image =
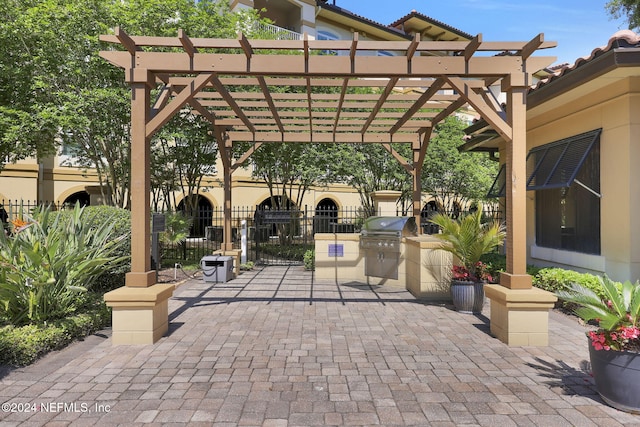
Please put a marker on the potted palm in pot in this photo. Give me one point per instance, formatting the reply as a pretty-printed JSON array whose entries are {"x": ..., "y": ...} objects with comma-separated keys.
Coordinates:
[
  {"x": 614, "y": 347},
  {"x": 468, "y": 238}
]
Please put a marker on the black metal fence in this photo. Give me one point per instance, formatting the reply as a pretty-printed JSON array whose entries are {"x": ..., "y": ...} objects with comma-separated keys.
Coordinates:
[{"x": 273, "y": 236}]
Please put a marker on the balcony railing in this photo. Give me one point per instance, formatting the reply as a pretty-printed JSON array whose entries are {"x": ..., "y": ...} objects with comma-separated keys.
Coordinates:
[{"x": 278, "y": 33}]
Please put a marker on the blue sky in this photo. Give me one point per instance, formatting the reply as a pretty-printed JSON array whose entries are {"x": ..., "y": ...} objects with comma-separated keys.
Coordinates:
[{"x": 579, "y": 26}]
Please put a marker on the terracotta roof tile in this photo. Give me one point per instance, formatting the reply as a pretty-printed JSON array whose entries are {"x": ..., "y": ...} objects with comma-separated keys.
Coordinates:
[{"x": 621, "y": 39}]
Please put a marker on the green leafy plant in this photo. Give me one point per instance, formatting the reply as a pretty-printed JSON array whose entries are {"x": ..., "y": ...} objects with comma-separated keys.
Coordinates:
[
  {"x": 309, "y": 259},
  {"x": 247, "y": 266},
  {"x": 113, "y": 275},
  {"x": 558, "y": 279},
  {"x": 48, "y": 264},
  {"x": 22, "y": 345},
  {"x": 617, "y": 314},
  {"x": 469, "y": 238},
  {"x": 177, "y": 227}
]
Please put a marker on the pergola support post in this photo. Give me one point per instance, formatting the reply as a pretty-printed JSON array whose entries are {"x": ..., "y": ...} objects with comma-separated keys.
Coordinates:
[
  {"x": 225, "y": 144},
  {"x": 417, "y": 186},
  {"x": 140, "y": 308},
  {"x": 519, "y": 312}
]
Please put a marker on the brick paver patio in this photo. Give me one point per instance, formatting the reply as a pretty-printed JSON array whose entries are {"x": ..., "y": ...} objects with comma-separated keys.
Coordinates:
[{"x": 275, "y": 347}]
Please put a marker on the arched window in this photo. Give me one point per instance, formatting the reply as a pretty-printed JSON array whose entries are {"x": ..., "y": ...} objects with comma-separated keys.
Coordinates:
[
  {"x": 429, "y": 210},
  {"x": 202, "y": 216},
  {"x": 81, "y": 197}
]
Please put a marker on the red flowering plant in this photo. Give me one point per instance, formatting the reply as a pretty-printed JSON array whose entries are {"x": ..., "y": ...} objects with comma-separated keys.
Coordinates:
[
  {"x": 460, "y": 272},
  {"x": 617, "y": 315}
]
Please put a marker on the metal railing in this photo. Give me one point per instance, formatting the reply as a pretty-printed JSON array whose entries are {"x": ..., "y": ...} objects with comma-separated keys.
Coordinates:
[
  {"x": 268, "y": 230},
  {"x": 276, "y": 32}
]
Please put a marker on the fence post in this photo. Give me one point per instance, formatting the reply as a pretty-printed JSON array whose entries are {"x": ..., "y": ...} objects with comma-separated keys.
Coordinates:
[{"x": 243, "y": 241}]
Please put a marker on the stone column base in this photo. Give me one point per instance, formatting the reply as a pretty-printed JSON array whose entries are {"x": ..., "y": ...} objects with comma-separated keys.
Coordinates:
[
  {"x": 520, "y": 317},
  {"x": 140, "y": 315}
]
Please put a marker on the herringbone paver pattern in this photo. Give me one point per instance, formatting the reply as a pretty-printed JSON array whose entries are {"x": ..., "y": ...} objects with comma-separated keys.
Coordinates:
[{"x": 276, "y": 348}]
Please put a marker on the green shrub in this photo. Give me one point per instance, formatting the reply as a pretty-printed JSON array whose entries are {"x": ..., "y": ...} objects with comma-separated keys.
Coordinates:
[
  {"x": 113, "y": 276},
  {"x": 294, "y": 252},
  {"x": 247, "y": 266},
  {"x": 20, "y": 346},
  {"x": 310, "y": 260},
  {"x": 559, "y": 279},
  {"x": 177, "y": 227},
  {"x": 48, "y": 264},
  {"x": 497, "y": 263}
]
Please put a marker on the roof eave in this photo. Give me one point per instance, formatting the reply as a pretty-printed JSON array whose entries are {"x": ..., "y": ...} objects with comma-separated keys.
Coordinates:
[
  {"x": 358, "y": 20},
  {"x": 590, "y": 70}
]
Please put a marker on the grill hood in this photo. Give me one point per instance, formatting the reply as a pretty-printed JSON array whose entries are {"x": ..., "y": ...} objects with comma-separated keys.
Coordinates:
[{"x": 396, "y": 226}]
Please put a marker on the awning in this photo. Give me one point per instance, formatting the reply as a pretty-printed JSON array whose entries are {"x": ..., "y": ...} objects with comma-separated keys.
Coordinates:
[
  {"x": 499, "y": 186},
  {"x": 556, "y": 165}
]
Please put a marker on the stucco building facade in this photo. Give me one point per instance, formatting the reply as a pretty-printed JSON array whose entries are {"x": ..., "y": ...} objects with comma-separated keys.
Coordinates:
[{"x": 582, "y": 176}]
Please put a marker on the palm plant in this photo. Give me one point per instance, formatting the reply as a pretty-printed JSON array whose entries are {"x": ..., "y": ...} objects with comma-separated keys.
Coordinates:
[
  {"x": 469, "y": 238},
  {"x": 617, "y": 314}
]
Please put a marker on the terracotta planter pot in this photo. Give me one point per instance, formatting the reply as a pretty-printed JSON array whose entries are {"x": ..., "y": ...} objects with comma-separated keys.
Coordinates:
[
  {"x": 617, "y": 377},
  {"x": 467, "y": 296}
]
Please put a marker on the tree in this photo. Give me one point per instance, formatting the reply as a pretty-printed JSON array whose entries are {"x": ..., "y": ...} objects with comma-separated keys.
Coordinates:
[
  {"x": 369, "y": 168},
  {"x": 187, "y": 151},
  {"x": 451, "y": 177},
  {"x": 99, "y": 137},
  {"x": 55, "y": 87},
  {"x": 627, "y": 9},
  {"x": 45, "y": 47}
]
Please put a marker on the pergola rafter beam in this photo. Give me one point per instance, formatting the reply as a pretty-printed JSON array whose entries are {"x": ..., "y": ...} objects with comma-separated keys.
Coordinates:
[
  {"x": 187, "y": 45},
  {"x": 381, "y": 101},
  {"x": 232, "y": 103},
  {"x": 245, "y": 45},
  {"x": 211, "y": 117},
  {"x": 452, "y": 108},
  {"x": 343, "y": 91},
  {"x": 532, "y": 46},
  {"x": 472, "y": 47},
  {"x": 272, "y": 108},
  {"x": 309, "y": 104},
  {"x": 354, "y": 47},
  {"x": 426, "y": 96},
  {"x": 413, "y": 46},
  {"x": 126, "y": 41}
]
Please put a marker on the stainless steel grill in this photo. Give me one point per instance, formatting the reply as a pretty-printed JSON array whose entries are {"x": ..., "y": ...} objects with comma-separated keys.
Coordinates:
[{"x": 380, "y": 240}]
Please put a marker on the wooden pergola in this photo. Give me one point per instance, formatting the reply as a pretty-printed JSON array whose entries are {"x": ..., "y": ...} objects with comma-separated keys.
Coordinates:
[{"x": 236, "y": 84}]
